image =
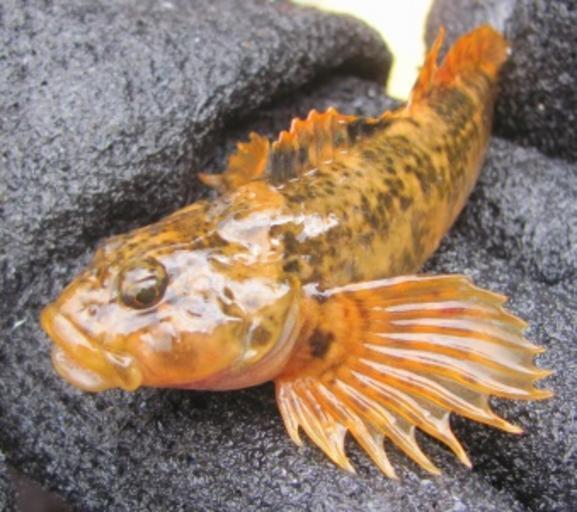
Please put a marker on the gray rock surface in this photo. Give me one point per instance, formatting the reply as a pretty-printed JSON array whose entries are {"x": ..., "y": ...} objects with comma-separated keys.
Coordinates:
[
  {"x": 107, "y": 107},
  {"x": 179, "y": 450},
  {"x": 538, "y": 104},
  {"x": 6, "y": 491}
]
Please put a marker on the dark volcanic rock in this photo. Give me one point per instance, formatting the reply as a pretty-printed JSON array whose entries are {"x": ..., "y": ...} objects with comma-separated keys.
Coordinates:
[
  {"x": 530, "y": 220},
  {"x": 179, "y": 450},
  {"x": 106, "y": 108},
  {"x": 6, "y": 491},
  {"x": 538, "y": 103},
  {"x": 460, "y": 16}
]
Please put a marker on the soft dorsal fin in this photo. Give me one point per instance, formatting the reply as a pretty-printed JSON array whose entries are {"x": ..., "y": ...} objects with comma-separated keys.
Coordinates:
[
  {"x": 481, "y": 50},
  {"x": 309, "y": 143}
]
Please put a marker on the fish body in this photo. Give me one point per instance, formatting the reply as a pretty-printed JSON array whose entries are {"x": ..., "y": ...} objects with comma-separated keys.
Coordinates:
[{"x": 302, "y": 271}]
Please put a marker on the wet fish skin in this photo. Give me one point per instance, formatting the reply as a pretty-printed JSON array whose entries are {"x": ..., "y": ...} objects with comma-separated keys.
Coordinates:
[{"x": 302, "y": 271}]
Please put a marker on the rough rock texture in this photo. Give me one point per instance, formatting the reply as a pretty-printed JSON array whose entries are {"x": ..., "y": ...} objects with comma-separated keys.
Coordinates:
[
  {"x": 179, "y": 450},
  {"x": 6, "y": 491},
  {"x": 106, "y": 107},
  {"x": 538, "y": 104}
]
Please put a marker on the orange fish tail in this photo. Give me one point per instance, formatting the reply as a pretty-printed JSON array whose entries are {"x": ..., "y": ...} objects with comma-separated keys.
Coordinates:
[{"x": 484, "y": 50}]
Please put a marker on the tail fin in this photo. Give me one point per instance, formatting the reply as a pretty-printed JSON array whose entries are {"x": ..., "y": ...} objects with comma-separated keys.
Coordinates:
[{"x": 483, "y": 49}]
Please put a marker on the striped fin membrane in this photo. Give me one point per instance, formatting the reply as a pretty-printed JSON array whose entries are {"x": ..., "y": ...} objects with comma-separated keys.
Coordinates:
[
  {"x": 403, "y": 354},
  {"x": 309, "y": 143}
]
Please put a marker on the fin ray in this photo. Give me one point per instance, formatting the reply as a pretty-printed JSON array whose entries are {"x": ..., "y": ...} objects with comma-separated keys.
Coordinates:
[
  {"x": 386, "y": 421},
  {"x": 405, "y": 354},
  {"x": 482, "y": 50},
  {"x": 426, "y": 415},
  {"x": 370, "y": 440},
  {"x": 315, "y": 141},
  {"x": 321, "y": 427}
]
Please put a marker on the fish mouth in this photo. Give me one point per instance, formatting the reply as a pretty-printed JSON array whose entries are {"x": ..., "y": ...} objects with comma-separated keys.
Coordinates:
[{"x": 83, "y": 364}]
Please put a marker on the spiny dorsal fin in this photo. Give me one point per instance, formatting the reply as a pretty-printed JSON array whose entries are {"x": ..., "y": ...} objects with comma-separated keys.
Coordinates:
[
  {"x": 309, "y": 143},
  {"x": 318, "y": 139},
  {"x": 247, "y": 163}
]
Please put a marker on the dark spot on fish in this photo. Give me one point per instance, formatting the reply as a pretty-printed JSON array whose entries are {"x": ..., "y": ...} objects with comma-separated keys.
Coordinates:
[
  {"x": 297, "y": 198},
  {"x": 320, "y": 343},
  {"x": 405, "y": 202},
  {"x": 315, "y": 258},
  {"x": 361, "y": 128},
  {"x": 408, "y": 261},
  {"x": 260, "y": 336},
  {"x": 419, "y": 233},
  {"x": 385, "y": 199},
  {"x": 283, "y": 165},
  {"x": 292, "y": 266},
  {"x": 339, "y": 139},
  {"x": 367, "y": 238},
  {"x": 290, "y": 242},
  {"x": 370, "y": 156}
]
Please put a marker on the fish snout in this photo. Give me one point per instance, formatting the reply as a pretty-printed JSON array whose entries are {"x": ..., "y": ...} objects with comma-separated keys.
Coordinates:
[{"x": 81, "y": 362}]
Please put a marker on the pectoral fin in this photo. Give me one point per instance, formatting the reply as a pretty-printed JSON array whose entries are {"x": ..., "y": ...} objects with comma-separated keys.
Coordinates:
[{"x": 382, "y": 358}]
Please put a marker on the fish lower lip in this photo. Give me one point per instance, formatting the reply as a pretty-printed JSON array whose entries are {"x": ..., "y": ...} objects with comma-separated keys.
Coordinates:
[
  {"x": 78, "y": 361},
  {"x": 77, "y": 375}
]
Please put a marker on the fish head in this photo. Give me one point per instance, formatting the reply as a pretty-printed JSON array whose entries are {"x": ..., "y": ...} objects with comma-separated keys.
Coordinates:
[{"x": 152, "y": 311}]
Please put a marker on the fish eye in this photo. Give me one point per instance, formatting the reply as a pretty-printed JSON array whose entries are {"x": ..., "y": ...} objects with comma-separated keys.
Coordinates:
[{"x": 142, "y": 283}]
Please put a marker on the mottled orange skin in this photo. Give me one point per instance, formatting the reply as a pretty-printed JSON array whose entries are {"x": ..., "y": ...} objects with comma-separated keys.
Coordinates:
[
  {"x": 378, "y": 208},
  {"x": 275, "y": 278}
]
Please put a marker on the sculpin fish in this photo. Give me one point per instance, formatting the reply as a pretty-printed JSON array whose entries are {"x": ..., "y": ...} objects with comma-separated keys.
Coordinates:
[{"x": 304, "y": 271}]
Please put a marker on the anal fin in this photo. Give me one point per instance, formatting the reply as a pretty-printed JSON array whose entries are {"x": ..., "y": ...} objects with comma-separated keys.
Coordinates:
[{"x": 382, "y": 358}]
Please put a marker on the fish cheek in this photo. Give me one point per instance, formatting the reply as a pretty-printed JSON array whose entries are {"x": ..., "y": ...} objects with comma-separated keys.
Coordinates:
[{"x": 169, "y": 357}]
